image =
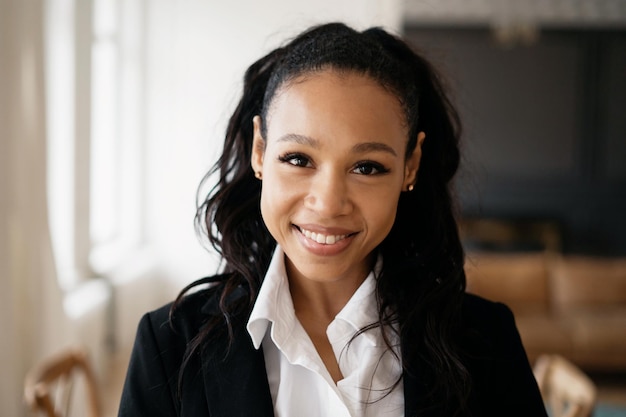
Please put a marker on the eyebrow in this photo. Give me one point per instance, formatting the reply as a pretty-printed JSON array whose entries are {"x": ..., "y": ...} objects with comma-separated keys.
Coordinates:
[
  {"x": 358, "y": 148},
  {"x": 299, "y": 139},
  {"x": 374, "y": 147}
]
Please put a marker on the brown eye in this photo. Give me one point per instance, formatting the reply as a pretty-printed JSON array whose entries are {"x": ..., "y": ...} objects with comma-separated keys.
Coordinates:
[
  {"x": 369, "y": 168},
  {"x": 295, "y": 159}
]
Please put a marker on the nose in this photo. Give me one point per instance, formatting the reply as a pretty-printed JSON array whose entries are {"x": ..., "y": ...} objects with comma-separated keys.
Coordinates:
[{"x": 328, "y": 195}]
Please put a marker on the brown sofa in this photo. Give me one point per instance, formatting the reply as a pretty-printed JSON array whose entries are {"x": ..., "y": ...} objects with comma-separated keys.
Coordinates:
[{"x": 568, "y": 305}]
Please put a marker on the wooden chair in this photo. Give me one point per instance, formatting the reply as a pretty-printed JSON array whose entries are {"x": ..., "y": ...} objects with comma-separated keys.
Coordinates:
[
  {"x": 566, "y": 390},
  {"x": 50, "y": 386}
]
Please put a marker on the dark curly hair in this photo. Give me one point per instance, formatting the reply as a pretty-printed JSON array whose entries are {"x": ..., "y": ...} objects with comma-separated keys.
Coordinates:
[{"x": 420, "y": 287}]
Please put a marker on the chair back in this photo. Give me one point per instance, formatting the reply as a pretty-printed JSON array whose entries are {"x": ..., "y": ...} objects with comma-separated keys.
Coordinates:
[
  {"x": 566, "y": 390},
  {"x": 51, "y": 385}
]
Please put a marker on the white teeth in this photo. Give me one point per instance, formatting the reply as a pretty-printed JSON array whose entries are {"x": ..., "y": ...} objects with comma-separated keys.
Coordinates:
[{"x": 322, "y": 239}]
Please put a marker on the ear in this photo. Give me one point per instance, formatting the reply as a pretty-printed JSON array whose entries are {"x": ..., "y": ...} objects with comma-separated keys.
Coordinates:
[
  {"x": 413, "y": 163},
  {"x": 258, "y": 146}
]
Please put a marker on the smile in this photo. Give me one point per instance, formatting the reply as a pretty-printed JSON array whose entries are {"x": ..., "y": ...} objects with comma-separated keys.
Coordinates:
[{"x": 322, "y": 238}]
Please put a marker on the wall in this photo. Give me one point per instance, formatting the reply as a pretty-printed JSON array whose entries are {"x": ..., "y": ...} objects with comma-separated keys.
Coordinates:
[
  {"x": 545, "y": 128},
  {"x": 33, "y": 323}
]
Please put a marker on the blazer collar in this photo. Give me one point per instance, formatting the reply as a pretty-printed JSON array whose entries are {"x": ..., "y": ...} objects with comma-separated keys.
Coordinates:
[
  {"x": 236, "y": 384},
  {"x": 415, "y": 390}
]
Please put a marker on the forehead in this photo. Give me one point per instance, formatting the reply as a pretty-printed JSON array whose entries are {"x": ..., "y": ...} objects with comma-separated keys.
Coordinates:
[{"x": 332, "y": 102}]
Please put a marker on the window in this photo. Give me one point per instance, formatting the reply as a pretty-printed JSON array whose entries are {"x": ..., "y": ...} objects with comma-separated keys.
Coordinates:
[{"x": 95, "y": 114}]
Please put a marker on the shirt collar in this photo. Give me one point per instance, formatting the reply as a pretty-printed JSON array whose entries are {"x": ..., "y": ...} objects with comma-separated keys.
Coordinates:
[
  {"x": 273, "y": 303},
  {"x": 362, "y": 308}
]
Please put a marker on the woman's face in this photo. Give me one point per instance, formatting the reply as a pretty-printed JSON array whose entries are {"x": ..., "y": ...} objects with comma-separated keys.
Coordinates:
[{"x": 333, "y": 166}]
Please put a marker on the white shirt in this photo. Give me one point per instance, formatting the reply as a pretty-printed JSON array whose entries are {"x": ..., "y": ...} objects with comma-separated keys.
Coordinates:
[{"x": 299, "y": 382}]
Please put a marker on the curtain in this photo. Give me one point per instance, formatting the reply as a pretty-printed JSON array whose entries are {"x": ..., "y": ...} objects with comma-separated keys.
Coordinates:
[{"x": 32, "y": 322}]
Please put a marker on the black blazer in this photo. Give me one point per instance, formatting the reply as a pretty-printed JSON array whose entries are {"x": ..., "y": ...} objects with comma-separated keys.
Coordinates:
[{"x": 236, "y": 385}]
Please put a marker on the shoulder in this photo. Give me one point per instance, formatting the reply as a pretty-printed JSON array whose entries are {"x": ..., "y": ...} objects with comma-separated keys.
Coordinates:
[
  {"x": 480, "y": 311},
  {"x": 163, "y": 335},
  {"x": 488, "y": 337},
  {"x": 487, "y": 325},
  {"x": 184, "y": 318},
  {"x": 495, "y": 357}
]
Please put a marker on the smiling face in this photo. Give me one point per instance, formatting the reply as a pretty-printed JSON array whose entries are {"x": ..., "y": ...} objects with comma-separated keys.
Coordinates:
[{"x": 333, "y": 166}]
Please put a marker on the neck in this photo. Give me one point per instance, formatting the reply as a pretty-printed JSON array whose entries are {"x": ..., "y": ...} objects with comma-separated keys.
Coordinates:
[{"x": 322, "y": 299}]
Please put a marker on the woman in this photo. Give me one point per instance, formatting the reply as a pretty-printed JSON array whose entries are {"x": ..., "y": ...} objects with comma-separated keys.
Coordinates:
[{"x": 342, "y": 292}]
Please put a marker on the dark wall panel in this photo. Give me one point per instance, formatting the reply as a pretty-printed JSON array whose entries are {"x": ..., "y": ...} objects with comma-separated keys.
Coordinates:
[
  {"x": 545, "y": 128},
  {"x": 615, "y": 105}
]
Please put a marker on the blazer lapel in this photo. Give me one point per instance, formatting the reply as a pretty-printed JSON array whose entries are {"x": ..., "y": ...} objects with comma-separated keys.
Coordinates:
[
  {"x": 237, "y": 384},
  {"x": 416, "y": 385}
]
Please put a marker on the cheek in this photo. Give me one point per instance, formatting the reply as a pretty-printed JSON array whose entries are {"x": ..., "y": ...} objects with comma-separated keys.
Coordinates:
[
  {"x": 380, "y": 211},
  {"x": 268, "y": 202},
  {"x": 277, "y": 201},
  {"x": 277, "y": 188},
  {"x": 268, "y": 211}
]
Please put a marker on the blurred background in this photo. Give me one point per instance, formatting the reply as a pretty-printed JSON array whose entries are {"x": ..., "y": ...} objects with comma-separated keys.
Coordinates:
[{"x": 112, "y": 111}]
